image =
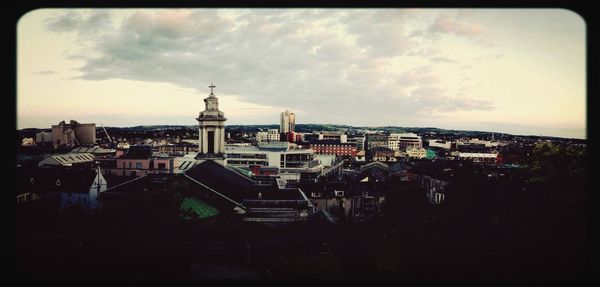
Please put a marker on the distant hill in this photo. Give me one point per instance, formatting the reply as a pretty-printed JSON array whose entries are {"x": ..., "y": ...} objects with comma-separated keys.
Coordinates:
[{"x": 305, "y": 128}]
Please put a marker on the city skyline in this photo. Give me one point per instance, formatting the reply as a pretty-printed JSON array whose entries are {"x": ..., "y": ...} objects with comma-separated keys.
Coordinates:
[{"x": 518, "y": 71}]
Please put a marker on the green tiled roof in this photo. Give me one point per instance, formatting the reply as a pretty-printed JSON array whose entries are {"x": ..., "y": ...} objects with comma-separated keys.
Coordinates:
[{"x": 193, "y": 208}]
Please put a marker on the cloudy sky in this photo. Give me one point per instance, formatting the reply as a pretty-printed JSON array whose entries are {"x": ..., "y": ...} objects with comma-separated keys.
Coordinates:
[{"x": 520, "y": 71}]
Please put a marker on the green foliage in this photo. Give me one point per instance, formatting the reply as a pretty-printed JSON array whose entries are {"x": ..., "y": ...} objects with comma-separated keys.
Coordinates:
[{"x": 557, "y": 169}]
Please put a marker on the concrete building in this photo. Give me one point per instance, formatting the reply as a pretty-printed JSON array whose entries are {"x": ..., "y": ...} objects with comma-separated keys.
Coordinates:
[
  {"x": 273, "y": 135},
  {"x": 211, "y": 130},
  {"x": 358, "y": 141},
  {"x": 288, "y": 122},
  {"x": 440, "y": 144},
  {"x": 336, "y": 136},
  {"x": 394, "y": 141},
  {"x": 406, "y": 140},
  {"x": 282, "y": 155},
  {"x": 376, "y": 141},
  {"x": 43, "y": 137},
  {"x": 73, "y": 133}
]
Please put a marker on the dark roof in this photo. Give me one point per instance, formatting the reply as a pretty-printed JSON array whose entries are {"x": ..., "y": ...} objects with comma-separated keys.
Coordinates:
[
  {"x": 432, "y": 170},
  {"x": 399, "y": 166},
  {"x": 331, "y": 142},
  {"x": 76, "y": 180},
  {"x": 224, "y": 180},
  {"x": 138, "y": 152}
]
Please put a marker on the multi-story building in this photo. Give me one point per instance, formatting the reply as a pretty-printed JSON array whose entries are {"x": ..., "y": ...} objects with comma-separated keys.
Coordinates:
[
  {"x": 382, "y": 154},
  {"x": 376, "y": 140},
  {"x": 394, "y": 141},
  {"x": 333, "y": 147},
  {"x": 358, "y": 141},
  {"x": 288, "y": 122},
  {"x": 73, "y": 133},
  {"x": 273, "y": 135},
  {"x": 281, "y": 155},
  {"x": 416, "y": 152},
  {"x": 406, "y": 140},
  {"x": 178, "y": 148},
  {"x": 440, "y": 143},
  {"x": 293, "y": 137},
  {"x": 336, "y": 136},
  {"x": 139, "y": 161}
]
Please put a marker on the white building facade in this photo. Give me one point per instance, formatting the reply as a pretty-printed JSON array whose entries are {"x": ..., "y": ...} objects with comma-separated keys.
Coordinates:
[{"x": 288, "y": 122}]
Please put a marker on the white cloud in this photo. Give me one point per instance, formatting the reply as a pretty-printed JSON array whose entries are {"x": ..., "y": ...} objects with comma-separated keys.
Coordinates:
[{"x": 334, "y": 64}]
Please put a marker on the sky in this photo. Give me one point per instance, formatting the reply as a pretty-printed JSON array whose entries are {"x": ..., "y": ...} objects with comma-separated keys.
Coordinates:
[{"x": 518, "y": 71}]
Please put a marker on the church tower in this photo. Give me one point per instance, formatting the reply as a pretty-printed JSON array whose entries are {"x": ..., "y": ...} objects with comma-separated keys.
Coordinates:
[{"x": 211, "y": 127}]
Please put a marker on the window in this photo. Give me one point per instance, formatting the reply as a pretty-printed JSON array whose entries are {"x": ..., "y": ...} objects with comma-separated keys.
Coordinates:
[
  {"x": 138, "y": 165},
  {"x": 123, "y": 164},
  {"x": 129, "y": 164},
  {"x": 211, "y": 142},
  {"x": 162, "y": 166}
]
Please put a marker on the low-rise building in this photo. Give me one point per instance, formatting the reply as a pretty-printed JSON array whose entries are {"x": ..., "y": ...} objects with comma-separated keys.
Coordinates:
[
  {"x": 382, "y": 154},
  {"x": 478, "y": 157},
  {"x": 333, "y": 147},
  {"x": 139, "y": 160},
  {"x": 416, "y": 152},
  {"x": 440, "y": 144}
]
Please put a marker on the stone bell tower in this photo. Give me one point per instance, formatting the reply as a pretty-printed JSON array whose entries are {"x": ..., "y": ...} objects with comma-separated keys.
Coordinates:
[{"x": 211, "y": 128}]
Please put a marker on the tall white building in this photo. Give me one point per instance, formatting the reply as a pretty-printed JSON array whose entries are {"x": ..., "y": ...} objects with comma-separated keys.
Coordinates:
[
  {"x": 211, "y": 128},
  {"x": 288, "y": 122}
]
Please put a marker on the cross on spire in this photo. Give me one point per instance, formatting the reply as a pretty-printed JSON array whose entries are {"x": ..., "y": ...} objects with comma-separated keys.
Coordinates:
[{"x": 212, "y": 86}]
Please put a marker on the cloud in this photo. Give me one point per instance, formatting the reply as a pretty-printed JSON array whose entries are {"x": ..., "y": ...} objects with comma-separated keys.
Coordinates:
[
  {"x": 45, "y": 72},
  {"x": 446, "y": 25},
  {"x": 318, "y": 61},
  {"x": 440, "y": 59},
  {"x": 87, "y": 26}
]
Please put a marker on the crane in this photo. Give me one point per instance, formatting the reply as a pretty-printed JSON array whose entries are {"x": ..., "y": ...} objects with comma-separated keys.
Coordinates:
[{"x": 110, "y": 141}]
